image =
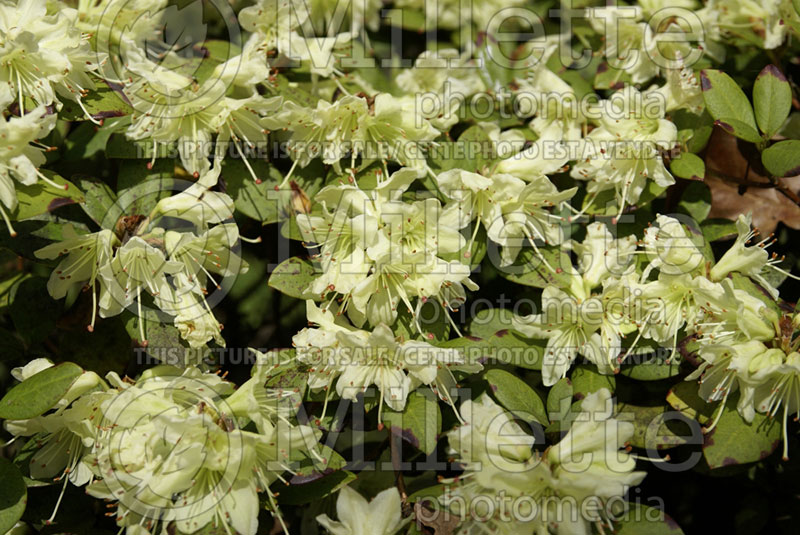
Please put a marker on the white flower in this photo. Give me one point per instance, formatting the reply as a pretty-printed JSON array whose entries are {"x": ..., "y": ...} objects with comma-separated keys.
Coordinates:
[
  {"x": 575, "y": 321},
  {"x": 381, "y": 253},
  {"x": 756, "y": 21},
  {"x": 601, "y": 256},
  {"x": 512, "y": 201},
  {"x": 357, "y": 359},
  {"x": 169, "y": 449},
  {"x": 748, "y": 260},
  {"x": 19, "y": 160},
  {"x": 86, "y": 257},
  {"x": 588, "y": 461},
  {"x": 499, "y": 466},
  {"x": 112, "y": 20},
  {"x": 629, "y": 42},
  {"x": 623, "y": 153},
  {"x": 489, "y": 435},
  {"x": 381, "y": 516},
  {"x": 383, "y": 127},
  {"x": 728, "y": 368},
  {"x": 670, "y": 249},
  {"x": 782, "y": 388},
  {"x": 171, "y": 107},
  {"x": 64, "y": 434},
  {"x": 43, "y": 53}
]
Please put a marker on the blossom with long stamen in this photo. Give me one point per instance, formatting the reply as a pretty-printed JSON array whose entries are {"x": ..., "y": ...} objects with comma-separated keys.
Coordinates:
[
  {"x": 85, "y": 257},
  {"x": 623, "y": 154},
  {"x": 587, "y": 462},
  {"x": 20, "y": 158},
  {"x": 43, "y": 53},
  {"x": 750, "y": 260},
  {"x": 355, "y": 359}
]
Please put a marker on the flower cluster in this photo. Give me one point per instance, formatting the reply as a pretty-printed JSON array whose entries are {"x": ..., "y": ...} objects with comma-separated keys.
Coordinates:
[
  {"x": 44, "y": 54},
  {"x": 380, "y": 252},
  {"x": 356, "y": 359},
  {"x": 499, "y": 463},
  {"x": 170, "y": 255},
  {"x": 171, "y": 449}
]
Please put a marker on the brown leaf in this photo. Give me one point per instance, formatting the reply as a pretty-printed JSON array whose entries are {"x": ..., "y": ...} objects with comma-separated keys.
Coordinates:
[
  {"x": 738, "y": 189},
  {"x": 439, "y": 522}
]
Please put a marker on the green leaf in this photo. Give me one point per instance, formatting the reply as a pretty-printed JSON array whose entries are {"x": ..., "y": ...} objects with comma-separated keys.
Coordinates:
[
  {"x": 688, "y": 166},
  {"x": 608, "y": 77},
  {"x": 13, "y": 495},
  {"x": 432, "y": 320},
  {"x": 263, "y": 202},
  {"x": 605, "y": 203},
  {"x": 41, "y": 197},
  {"x": 559, "y": 399},
  {"x": 488, "y": 321},
  {"x": 653, "y": 367},
  {"x": 139, "y": 189},
  {"x": 725, "y": 99},
  {"x": 101, "y": 103},
  {"x": 530, "y": 270},
  {"x": 694, "y": 130},
  {"x": 293, "y": 277},
  {"x": 39, "y": 393},
  {"x": 516, "y": 396},
  {"x": 310, "y": 489},
  {"x": 292, "y": 91},
  {"x": 718, "y": 229},
  {"x": 419, "y": 423},
  {"x": 772, "y": 100},
  {"x": 101, "y": 202},
  {"x": 782, "y": 158},
  {"x": 641, "y": 519},
  {"x": 653, "y": 430},
  {"x": 734, "y": 441},
  {"x": 160, "y": 336},
  {"x": 743, "y": 282},
  {"x": 739, "y": 129},
  {"x": 586, "y": 379},
  {"x": 507, "y": 347},
  {"x": 473, "y": 151},
  {"x": 696, "y": 201}
]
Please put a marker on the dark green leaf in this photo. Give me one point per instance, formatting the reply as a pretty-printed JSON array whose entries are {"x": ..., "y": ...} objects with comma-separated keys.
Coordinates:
[
  {"x": 293, "y": 277},
  {"x": 101, "y": 103},
  {"x": 734, "y": 441},
  {"x": 13, "y": 495},
  {"x": 530, "y": 270},
  {"x": 641, "y": 519},
  {"x": 516, "y": 396},
  {"x": 309, "y": 489},
  {"x": 419, "y": 423},
  {"x": 772, "y": 100},
  {"x": 782, "y": 158},
  {"x": 101, "y": 201},
  {"x": 41, "y": 197},
  {"x": 718, "y": 229},
  {"x": 688, "y": 166},
  {"x": 725, "y": 99},
  {"x": 586, "y": 379},
  {"x": 739, "y": 129},
  {"x": 39, "y": 393},
  {"x": 696, "y": 200}
]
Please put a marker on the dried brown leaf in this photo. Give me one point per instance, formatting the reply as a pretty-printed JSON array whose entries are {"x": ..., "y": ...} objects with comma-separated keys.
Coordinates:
[{"x": 738, "y": 188}]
